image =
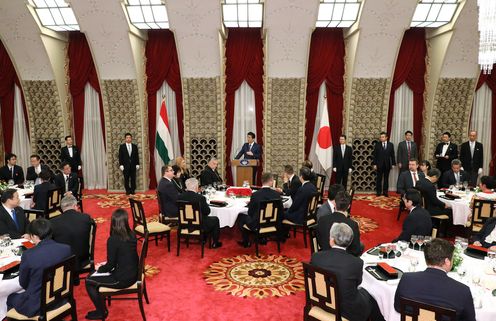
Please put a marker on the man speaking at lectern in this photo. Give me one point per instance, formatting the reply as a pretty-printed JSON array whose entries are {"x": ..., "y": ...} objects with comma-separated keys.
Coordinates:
[{"x": 250, "y": 149}]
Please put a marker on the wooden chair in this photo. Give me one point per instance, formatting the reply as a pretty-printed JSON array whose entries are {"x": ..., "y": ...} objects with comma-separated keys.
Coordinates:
[
  {"x": 90, "y": 267},
  {"x": 441, "y": 219},
  {"x": 481, "y": 212},
  {"x": 352, "y": 194},
  {"x": 411, "y": 310},
  {"x": 314, "y": 242},
  {"x": 56, "y": 300},
  {"x": 322, "y": 295},
  {"x": 268, "y": 216},
  {"x": 310, "y": 218},
  {"x": 51, "y": 209},
  {"x": 138, "y": 288},
  {"x": 141, "y": 227},
  {"x": 320, "y": 183},
  {"x": 190, "y": 224},
  {"x": 162, "y": 217}
]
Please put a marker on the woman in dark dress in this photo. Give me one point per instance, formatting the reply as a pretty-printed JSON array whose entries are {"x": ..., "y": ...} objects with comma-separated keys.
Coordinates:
[
  {"x": 185, "y": 173},
  {"x": 122, "y": 263},
  {"x": 178, "y": 179}
]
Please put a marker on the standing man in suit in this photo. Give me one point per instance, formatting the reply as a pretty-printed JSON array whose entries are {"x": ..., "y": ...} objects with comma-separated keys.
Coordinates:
[
  {"x": 67, "y": 180},
  {"x": 250, "y": 149},
  {"x": 298, "y": 209},
  {"x": 40, "y": 194},
  {"x": 210, "y": 223},
  {"x": 291, "y": 182},
  {"x": 129, "y": 163},
  {"x": 434, "y": 286},
  {"x": 342, "y": 161},
  {"x": 407, "y": 150},
  {"x": 356, "y": 303},
  {"x": 210, "y": 176},
  {"x": 11, "y": 171},
  {"x": 418, "y": 221},
  {"x": 408, "y": 179},
  {"x": 266, "y": 193},
  {"x": 168, "y": 192},
  {"x": 446, "y": 151},
  {"x": 428, "y": 191},
  {"x": 35, "y": 169},
  {"x": 454, "y": 176},
  {"x": 12, "y": 218},
  {"x": 70, "y": 154},
  {"x": 34, "y": 261},
  {"x": 383, "y": 161},
  {"x": 472, "y": 157}
]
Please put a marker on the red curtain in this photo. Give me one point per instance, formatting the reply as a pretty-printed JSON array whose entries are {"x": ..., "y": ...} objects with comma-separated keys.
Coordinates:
[
  {"x": 326, "y": 63},
  {"x": 244, "y": 62},
  {"x": 410, "y": 68},
  {"x": 8, "y": 80},
  {"x": 81, "y": 71},
  {"x": 162, "y": 64},
  {"x": 490, "y": 81}
]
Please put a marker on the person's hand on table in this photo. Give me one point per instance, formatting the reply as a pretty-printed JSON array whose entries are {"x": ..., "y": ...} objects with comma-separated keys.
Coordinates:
[
  {"x": 249, "y": 153},
  {"x": 477, "y": 243},
  {"x": 447, "y": 157},
  {"x": 492, "y": 248}
]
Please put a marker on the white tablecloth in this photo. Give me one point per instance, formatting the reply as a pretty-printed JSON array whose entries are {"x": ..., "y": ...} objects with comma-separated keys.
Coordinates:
[
  {"x": 461, "y": 207},
  {"x": 383, "y": 292},
  {"x": 25, "y": 202},
  {"x": 8, "y": 286}
]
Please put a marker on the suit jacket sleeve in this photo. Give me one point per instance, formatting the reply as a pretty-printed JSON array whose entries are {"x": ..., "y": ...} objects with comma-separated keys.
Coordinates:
[
  {"x": 77, "y": 155},
  {"x": 375, "y": 154},
  {"x": 401, "y": 185},
  {"x": 355, "y": 247},
  {"x": 433, "y": 198},
  {"x": 31, "y": 174},
  {"x": 257, "y": 152},
  {"x": 24, "y": 271},
  {"x": 135, "y": 154},
  {"x": 414, "y": 151},
  {"x": 349, "y": 157},
  {"x": 393, "y": 160},
  {"x": 407, "y": 231},
  {"x": 204, "y": 206},
  {"x": 74, "y": 184},
  {"x": 121, "y": 156},
  {"x": 485, "y": 230},
  {"x": 454, "y": 152},
  {"x": 444, "y": 181},
  {"x": 401, "y": 152},
  {"x": 112, "y": 252},
  {"x": 468, "y": 307},
  {"x": 464, "y": 155},
  {"x": 241, "y": 152}
]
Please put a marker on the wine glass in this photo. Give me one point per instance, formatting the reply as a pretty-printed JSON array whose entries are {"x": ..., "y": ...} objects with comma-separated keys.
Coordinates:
[
  {"x": 402, "y": 245},
  {"x": 461, "y": 271},
  {"x": 413, "y": 264},
  {"x": 476, "y": 279},
  {"x": 389, "y": 249},
  {"x": 413, "y": 240},
  {"x": 420, "y": 241},
  {"x": 427, "y": 238},
  {"x": 465, "y": 185}
]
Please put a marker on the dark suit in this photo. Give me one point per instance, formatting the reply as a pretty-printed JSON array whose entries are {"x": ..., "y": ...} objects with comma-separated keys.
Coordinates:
[
  {"x": 323, "y": 228},
  {"x": 73, "y": 228},
  {"x": 383, "y": 158},
  {"x": 342, "y": 163},
  {"x": 40, "y": 195},
  {"x": 72, "y": 184},
  {"x": 296, "y": 213},
  {"x": 209, "y": 177},
  {"x": 256, "y": 149},
  {"x": 8, "y": 226},
  {"x": 33, "y": 262},
  {"x": 472, "y": 164},
  {"x": 324, "y": 209},
  {"x": 17, "y": 176},
  {"x": 168, "y": 197},
  {"x": 435, "y": 287},
  {"x": 210, "y": 223},
  {"x": 74, "y": 161},
  {"x": 31, "y": 174},
  {"x": 404, "y": 156},
  {"x": 129, "y": 163},
  {"x": 418, "y": 222},
  {"x": 485, "y": 231},
  {"x": 252, "y": 219},
  {"x": 405, "y": 181},
  {"x": 444, "y": 164},
  {"x": 431, "y": 203},
  {"x": 448, "y": 178},
  {"x": 291, "y": 187},
  {"x": 356, "y": 304}
]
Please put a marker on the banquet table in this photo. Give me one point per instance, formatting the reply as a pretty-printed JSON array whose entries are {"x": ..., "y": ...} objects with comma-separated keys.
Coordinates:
[
  {"x": 383, "y": 291},
  {"x": 461, "y": 207},
  {"x": 11, "y": 285}
]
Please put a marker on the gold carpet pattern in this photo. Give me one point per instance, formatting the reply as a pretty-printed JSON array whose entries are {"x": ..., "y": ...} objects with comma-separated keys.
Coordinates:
[
  {"x": 258, "y": 277},
  {"x": 387, "y": 203},
  {"x": 365, "y": 224},
  {"x": 118, "y": 200}
]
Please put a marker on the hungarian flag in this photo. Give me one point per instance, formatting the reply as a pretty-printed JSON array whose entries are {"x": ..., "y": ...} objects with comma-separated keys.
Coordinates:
[
  {"x": 323, "y": 147},
  {"x": 163, "y": 141}
]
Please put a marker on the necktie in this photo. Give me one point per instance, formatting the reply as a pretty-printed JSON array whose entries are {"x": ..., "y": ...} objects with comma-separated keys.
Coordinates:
[
  {"x": 12, "y": 172},
  {"x": 415, "y": 179},
  {"x": 384, "y": 145},
  {"x": 66, "y": 183},
  {"x": 14, "y": 217},
  {"x": 409, "y": 149},
  {"x": 457, "y": 178},
  {"x": 250, "y": 147}
]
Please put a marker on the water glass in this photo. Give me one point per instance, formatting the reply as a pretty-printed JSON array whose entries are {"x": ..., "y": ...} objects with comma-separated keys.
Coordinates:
[
  {"x": 402, "y": 245},
  {"x": 413, "y": 240},
  {"x": 11, "y": 182},
  {"x": 413, "y": 264},
  {"x": 246, "y": 184},
  {"x": 461, "y": 270}
]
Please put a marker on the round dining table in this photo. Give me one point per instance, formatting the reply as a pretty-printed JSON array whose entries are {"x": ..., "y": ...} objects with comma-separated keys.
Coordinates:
[
  {"x": 11, "y": 285},
  {"x": 461, "y": 207}
]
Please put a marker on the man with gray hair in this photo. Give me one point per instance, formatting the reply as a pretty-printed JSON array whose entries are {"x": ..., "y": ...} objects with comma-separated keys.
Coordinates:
[
  {"x": 73, "y": 228},
  {"x": 210, "y": 176},
  {"x": 356, "y": 303},
  {"x": 454, "y": 176},
  {"x": 210, "y": 223}
]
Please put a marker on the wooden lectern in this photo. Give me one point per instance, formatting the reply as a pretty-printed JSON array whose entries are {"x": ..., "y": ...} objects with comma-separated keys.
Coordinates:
[{"x": 244, "y": 170}]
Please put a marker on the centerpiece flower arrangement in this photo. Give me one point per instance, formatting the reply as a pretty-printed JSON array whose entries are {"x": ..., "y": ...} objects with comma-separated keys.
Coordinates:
[
  {"x": 457, "y": 257},
  {"x": 3, "y": 186}
]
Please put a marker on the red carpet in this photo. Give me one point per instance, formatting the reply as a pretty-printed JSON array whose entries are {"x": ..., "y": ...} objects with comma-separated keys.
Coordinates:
[{"x": 176, "y": 285}]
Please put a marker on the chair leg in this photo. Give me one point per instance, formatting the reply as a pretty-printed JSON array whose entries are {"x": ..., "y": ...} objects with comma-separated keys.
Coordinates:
[
  {"x": 305, "y": 236},
  {"x": 256, "y": 244},
  {"x": 278, "y": 246},
  {"x": 156, "y": 240},
  {"x": 400, "y": 210},
  {"x": 294, "y": 232},
  {"x": 140, "y": 301},
  {"x": 73, "y": 310},
  {"x": 187, "y": 241},
  {"x": 168, "y": 241},
  {"x": 202, "y": 248},
  {"x": 145, "y": 293},
  {"x": 178, "y": 243}
]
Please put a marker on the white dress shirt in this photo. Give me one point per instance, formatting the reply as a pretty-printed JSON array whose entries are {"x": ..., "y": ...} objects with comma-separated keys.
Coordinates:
[
  {"x": 445, "y": 149},
  {"x": 129, "y": 148},
  {"x": 69, "y": 149}
]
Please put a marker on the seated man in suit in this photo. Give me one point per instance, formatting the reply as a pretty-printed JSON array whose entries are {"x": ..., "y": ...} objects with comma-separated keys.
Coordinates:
[
  {"x": 210, "y": 223},
  {"x": 428, "y": 191},
  {"x": 433, "y": 286},
  {"x": 34, "y": 261},
  {"x": 210, "y": 176},
  {"x": 11, "y": 171},
  {"x": 35, "y": 169},
  {"x": 454, "y": 176},
  {"x": 356, "y": 303},
  {"x": 73, "y": 228},
  {"x": 291, "y": 182},
  {"x": 298, "y": 209},
  {"x": 329, "y": 207},
  {"x": 308, "y": 163},
  {"x": 67, "y": 181},
  {"x": 250, "y": 149},
  {"x": 266, "y": 193},
  {"x": 40, "y": 194},
  {"x": 324, "y": 224},
  {"x": 12, "y": 218},
  {"x": 168, "y": 192},
  {"x": 418, "y": 221},
  {"x": 487, "y": 235},
  {"x": 408, "y": 179}
]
